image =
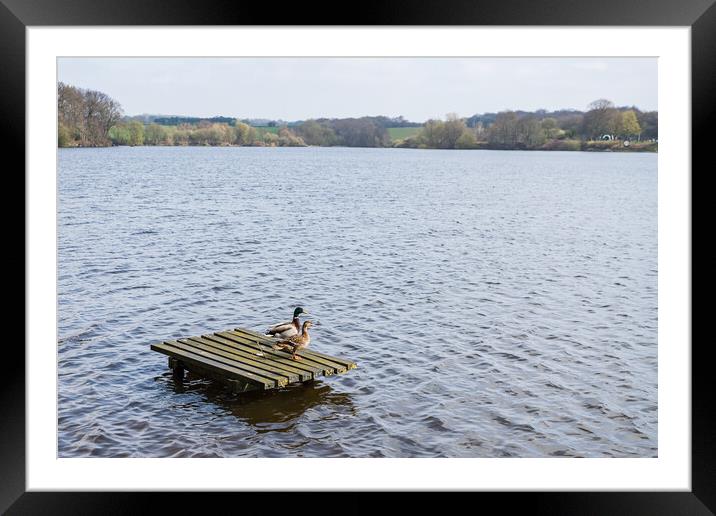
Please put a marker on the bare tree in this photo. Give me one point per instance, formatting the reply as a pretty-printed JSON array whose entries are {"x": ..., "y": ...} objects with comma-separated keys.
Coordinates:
[
  {"x": 601, "y": 105},
  {"x": 86, "y": 115},
  {"x": 602, "y": 118}
]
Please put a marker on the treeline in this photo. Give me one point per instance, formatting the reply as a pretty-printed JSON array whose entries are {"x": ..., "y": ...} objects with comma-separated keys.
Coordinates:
[
  {"x": 88, "y": 118},
  {"x": 569, "y": 130},
  {"x": 367, "y": 131},
  {"x": 345, "y": 132},
  {"x": 204, "y": 133},
  {"x": 572, "y": 121}
]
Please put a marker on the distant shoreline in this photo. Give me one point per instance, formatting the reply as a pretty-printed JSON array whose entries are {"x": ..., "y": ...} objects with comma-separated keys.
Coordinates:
[
  {"x": 596, "y": 146},
  {"x": 88, "y": 118}
]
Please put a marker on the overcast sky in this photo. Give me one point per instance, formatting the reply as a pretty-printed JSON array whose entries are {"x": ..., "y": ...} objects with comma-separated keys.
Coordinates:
[{"x": 416, "y": 88}]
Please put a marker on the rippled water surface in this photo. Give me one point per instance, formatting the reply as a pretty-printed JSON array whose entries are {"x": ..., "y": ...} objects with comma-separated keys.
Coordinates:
[{"x": 497, "y": 303}]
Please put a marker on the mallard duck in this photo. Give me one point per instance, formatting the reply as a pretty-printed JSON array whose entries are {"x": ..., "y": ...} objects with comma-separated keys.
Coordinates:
[
  {"x": 296, "y": 342},
  {"x": 287, "y": 329}
]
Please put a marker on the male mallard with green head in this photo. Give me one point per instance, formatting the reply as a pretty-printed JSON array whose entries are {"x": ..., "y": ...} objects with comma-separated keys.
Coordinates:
[
  {"x": 296, "y": 342},
  {"x": 287, "y": 329}
]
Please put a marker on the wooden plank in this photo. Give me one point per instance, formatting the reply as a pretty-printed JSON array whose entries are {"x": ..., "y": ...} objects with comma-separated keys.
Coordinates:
[
  {"x": 304, "y": 372},
  {"x": 249, "y": 358},
  {"x": 306, "y": 354},
  {"x": 347, "y": 364},
  {"x": 218, "y": 356},
  {"x": 327, "y": 369},
  {"x": 236, "y": 386},
  {"x": 193, "y": 360},
  {"x": 268, "y": 347},
  {"x": 196, "y": 358},
  {"x": 344, "y": 362},
  {"x": 251, "y": 363},
  {"x": 266, "y": 360},
  {"x": 282, "y": 356}
]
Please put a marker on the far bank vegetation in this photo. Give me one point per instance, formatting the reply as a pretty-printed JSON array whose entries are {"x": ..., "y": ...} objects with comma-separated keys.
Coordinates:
[{"x": 88, "y": 118}]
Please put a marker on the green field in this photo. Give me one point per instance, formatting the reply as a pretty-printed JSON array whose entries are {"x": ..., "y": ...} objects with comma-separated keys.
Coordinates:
[
  {"x": 400, "y": 133},
  {"x": 264, "y": 130}
]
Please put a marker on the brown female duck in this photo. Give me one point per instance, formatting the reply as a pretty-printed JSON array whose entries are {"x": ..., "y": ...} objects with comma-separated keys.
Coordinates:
[{"x": 296, "y": 342}]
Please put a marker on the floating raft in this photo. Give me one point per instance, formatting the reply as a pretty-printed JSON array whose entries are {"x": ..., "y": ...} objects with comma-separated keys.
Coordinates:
[{"x": 233, "y": 358}]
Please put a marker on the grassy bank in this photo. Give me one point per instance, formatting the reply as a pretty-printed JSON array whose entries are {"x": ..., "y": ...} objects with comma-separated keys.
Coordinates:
[
  {"x": 554, "y": 145},
  {"x": 618, "y": 146},
  {"x": 601, "y": 146}
]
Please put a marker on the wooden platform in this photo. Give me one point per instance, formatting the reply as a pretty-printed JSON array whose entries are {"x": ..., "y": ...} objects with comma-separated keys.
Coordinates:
[{"x": 231, "y": 357}]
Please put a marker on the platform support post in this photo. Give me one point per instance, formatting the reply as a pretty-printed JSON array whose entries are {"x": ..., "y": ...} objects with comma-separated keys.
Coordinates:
[{"x": 177, "y": 368}]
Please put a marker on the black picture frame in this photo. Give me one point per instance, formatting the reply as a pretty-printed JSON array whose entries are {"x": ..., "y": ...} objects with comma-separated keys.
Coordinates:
[{"x": 16, "y": 15}]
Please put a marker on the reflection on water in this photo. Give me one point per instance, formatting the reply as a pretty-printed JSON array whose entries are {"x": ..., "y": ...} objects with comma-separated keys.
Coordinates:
[
  {"x": 265, "y": 410},
  {"x": 498, "y": 303}
]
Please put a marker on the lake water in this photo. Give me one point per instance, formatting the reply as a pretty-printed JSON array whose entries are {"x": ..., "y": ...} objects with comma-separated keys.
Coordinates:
[{"x": 498, "y": 303}]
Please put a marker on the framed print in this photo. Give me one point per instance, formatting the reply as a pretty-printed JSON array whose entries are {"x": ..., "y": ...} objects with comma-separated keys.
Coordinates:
[{"x": 511, "y": 275}]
